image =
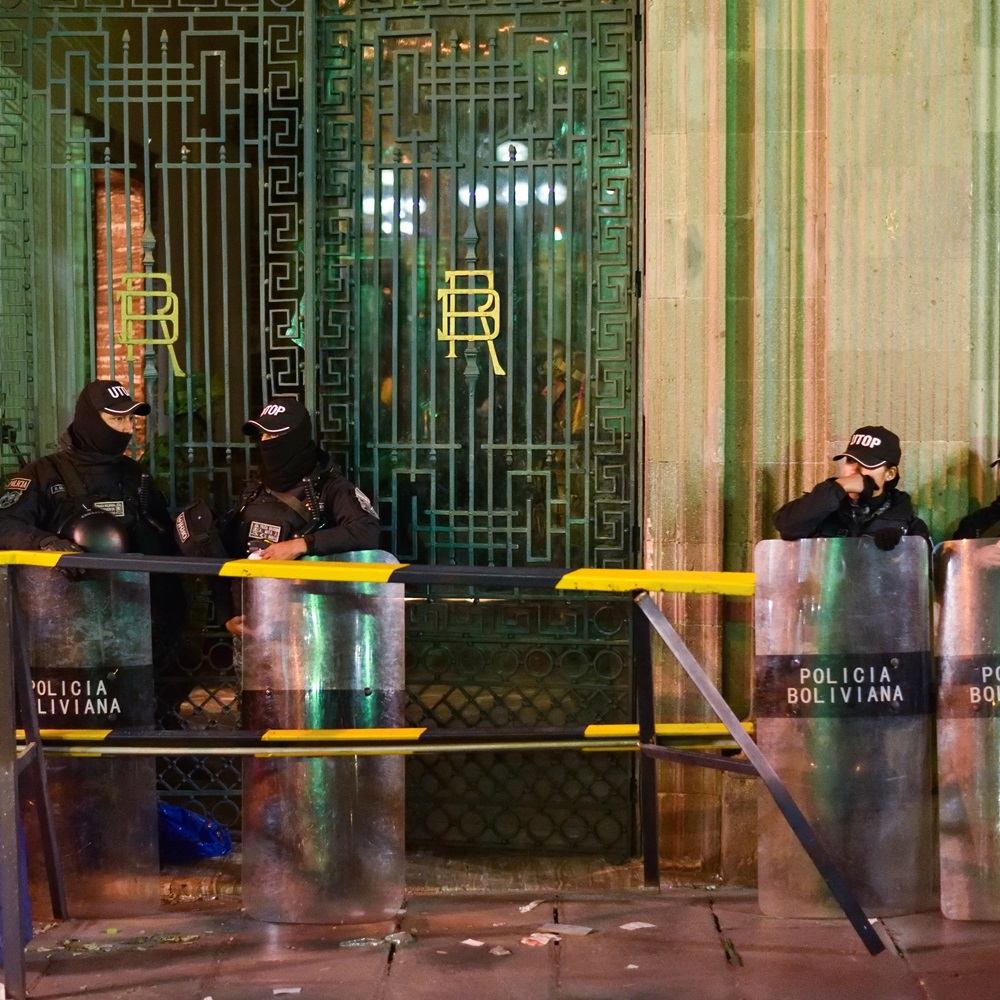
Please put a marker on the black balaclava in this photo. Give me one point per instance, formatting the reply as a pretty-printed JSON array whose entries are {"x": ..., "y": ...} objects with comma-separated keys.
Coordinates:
[
  {"x": 288, "y": 458},
  {"x": 89, "y": 432}
]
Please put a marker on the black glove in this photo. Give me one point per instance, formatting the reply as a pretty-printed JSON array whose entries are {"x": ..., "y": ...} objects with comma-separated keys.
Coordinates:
[
  {"x": 57, "y": 544},
  {"x": 867, "y": 490},
  {"x": 887, "y": 538}
]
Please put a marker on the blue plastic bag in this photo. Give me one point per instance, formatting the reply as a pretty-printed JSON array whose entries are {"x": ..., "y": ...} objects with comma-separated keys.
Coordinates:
[
  {"x": 26, "y": 929},
  {"x": 187, "y": 836}
]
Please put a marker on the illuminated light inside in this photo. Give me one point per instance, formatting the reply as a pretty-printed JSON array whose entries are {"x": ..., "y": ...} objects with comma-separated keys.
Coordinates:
[
  {"x": 557, "y": 191},
  {"x": 522, "y": 193},
  {"x": 391, "y": 208},
  {"x": 520, "y": 152},
  {"x": 557, "y": 234},
  {"x": 482, "y": 195}
]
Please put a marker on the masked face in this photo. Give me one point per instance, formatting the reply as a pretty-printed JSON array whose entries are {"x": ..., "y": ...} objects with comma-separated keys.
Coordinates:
[
  {"x": 286, "y": 458},
  {"x": 100, "y": 432}
]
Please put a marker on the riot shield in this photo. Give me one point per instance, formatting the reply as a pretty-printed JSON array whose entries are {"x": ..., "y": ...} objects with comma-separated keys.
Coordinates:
[
  {"x": 842, "y": 702},
  {"x": 323, "y": 837},
  {"x": 968, "y": 728},
  {"x": 90, "y": 653}
]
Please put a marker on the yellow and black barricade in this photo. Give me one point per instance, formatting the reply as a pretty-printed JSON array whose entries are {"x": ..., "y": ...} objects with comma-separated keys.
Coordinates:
[{"x": 698, "y": 744}]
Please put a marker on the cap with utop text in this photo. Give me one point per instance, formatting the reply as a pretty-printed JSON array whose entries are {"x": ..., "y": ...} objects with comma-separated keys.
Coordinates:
[
  {"x": 279, "y": 416},
  {"x": 110, "y": 396},
  {"x": 871, "y": 447}
]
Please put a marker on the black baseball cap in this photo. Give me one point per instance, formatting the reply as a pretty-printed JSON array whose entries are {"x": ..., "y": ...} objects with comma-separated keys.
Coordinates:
[
  {"x": 110, "y": 396},
  {"x": 278, "y": 416},
  {"x": 871, "y": 447}
]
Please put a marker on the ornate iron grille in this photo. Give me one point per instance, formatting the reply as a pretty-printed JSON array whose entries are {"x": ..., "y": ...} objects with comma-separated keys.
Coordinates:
[
  {"x": 156, "y": 138},
  {"x": 494, "y": 411},
  {"x": 519, "y": 664},
  {"x": 177, "y": 138}
]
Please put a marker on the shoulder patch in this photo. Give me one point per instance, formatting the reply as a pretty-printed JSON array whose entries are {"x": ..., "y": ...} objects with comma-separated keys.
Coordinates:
[
  {"x": 18, "y": 484},
  {"x": 366, "y": 504},
  {"x": 10, "y": 498}
]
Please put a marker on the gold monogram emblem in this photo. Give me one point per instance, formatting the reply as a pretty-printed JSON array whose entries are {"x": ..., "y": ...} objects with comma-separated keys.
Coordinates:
[
  {"x": 487, "y": 312},
  {"x": 134, "y": 299}
]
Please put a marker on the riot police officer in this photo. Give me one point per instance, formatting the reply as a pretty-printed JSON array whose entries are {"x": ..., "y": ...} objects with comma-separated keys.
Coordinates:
[
  {"x": 985, "y": 522},
  {"x": 863, "y": 500},
  {"x": 300, "y": 503},
  {"x": 88, "y": 496}
]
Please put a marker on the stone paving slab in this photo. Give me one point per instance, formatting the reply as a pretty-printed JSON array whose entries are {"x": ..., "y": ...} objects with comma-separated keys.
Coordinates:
[
  {"x": 223, "y": 954},
  {"x": 438, "y": 966},
  {"x": 682, "y": 953},
  {"x": 808, "y": 959},
  {"x": 952, "y": 959},
  {"x": 703, "y": 945}
]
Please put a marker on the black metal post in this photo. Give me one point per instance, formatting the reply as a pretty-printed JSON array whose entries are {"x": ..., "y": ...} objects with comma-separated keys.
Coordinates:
[
  {"x": 28, "y": 711},
  {"x": 642, "y": 657},
  {"x": 838, "y": 886},
  {"x": 10, "y": 856}
]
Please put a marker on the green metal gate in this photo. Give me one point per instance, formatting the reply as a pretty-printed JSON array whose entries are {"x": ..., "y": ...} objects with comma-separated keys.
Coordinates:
[
  {"x": 419, "y": 219},
  {"x": 477, "y": 329}
]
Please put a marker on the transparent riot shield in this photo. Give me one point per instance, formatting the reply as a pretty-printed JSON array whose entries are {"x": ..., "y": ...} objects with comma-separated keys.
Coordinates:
[
  {"x": 323, "y": 837},
  {"x": 843, "y": 701},
  {"x": 90, "y": 653},
  {"x": 968, "y": 728}
]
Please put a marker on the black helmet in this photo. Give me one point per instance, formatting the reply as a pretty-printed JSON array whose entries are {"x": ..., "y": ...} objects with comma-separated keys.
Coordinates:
[{"x": 96, "y": 531}]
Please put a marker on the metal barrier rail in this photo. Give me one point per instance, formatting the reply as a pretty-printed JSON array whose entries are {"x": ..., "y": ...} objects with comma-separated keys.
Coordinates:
[
  {"x": 644, "y": 737},
  {"x": 404, "y": 740},
  {"x": 612, "y": 581}
]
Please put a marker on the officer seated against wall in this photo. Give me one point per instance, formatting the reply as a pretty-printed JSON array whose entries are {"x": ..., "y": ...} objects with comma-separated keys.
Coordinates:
[
  {"x": 298, "y": 504},
  {"x": 982, "y": 523},
  {"x": 864, "y": 500},
  {"x": 89, "y": 495}
]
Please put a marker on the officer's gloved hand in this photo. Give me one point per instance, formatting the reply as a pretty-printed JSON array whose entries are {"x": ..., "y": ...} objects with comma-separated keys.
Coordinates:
[
  {"x": 867, "y": 490},
  {"x": 887, "y": 538},
  {"x": 57, "y": 544}
]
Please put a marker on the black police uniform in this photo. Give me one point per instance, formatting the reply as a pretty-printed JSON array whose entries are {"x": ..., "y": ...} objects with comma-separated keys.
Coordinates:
[
  {"x": 982, "y": 523},
  {"x": 827, "y": 512},
  {"x": 324, "y": 508},
  {"x": 47, "y": 493}
]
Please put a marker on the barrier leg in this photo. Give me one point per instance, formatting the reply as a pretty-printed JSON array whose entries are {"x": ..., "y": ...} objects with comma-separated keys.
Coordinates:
[
  {"x": 29, "y": 719},
  {"x": 10, "y": 860},
  {"x": 839, "y": 888},
  {"x": 646, "y": 714}
]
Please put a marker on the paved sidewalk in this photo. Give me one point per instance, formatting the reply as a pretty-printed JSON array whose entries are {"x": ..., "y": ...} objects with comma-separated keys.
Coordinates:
[{"x": 702, "y": 944}]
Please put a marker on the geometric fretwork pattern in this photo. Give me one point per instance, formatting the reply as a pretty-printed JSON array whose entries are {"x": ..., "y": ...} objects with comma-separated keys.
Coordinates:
[
  {"x": 516, "y": 665},
  {"x": 17, "y": 349},
  {"x": 519, "y": 665},
  {"x": 195, "y": 108},
  {"x": 497, "y": 139}
]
